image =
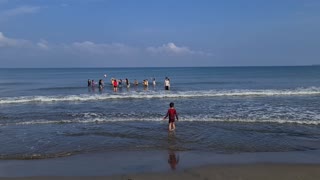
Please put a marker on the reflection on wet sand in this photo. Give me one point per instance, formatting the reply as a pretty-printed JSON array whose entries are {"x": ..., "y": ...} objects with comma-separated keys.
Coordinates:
[{"x": 173, "y": 158}]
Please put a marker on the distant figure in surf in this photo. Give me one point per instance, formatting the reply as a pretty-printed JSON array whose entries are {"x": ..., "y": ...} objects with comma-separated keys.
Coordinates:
[
  {"x": 127, "y": 83},
  {"x": 101, "y": 84},
  {"x": 167, "y": 84},
  {"x": 92, "y": 83},
  {"x": 172, "y": 113},
  {"x": 120, "y": 83},
  {"x": 112, "y": 80},
  {"x": 89, "y": 82},
  {"x": 145, "y": 83},
  {"x": 115, "y": 85},
  {"x": 154, "y": 82},
  {"x": 136, "y": 82}
]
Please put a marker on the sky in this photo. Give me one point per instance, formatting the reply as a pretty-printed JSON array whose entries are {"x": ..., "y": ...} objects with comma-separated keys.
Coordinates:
[{"x": 158, "y": 33}]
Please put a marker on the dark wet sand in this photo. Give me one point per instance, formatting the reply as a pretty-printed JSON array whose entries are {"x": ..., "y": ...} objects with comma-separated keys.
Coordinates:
[
  {"x": 216, "y": 172},
  {"x": 154, "y": 165}
]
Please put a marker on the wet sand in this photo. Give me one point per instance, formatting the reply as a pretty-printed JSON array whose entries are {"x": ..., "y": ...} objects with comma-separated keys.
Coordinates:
[
  {"x": 167, "y": 165},
  {"x": 225, "y": 172}
]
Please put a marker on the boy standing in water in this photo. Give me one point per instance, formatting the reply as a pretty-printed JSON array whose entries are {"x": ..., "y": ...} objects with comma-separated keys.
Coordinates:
[{"x": 172, "y": 113}]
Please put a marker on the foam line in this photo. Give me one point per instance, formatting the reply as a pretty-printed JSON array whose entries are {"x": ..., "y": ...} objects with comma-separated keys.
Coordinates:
[
  {"x": 162, "y": 94},
  {"x": 152, "y": 119}
]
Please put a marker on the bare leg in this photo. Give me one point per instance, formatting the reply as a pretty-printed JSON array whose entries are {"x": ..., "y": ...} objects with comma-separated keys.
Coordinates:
[
  {"x": 169, "y": 128},
  {"x": 173, "y": 126}
]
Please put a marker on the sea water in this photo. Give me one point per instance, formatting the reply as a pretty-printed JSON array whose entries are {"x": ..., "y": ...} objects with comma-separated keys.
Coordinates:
[{"x": 47, "y": 113}]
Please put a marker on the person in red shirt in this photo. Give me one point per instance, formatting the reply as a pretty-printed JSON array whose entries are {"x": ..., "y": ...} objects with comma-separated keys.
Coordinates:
[
  {"x": 115, "y": 85},
  {"x": 172, "y": 113}
]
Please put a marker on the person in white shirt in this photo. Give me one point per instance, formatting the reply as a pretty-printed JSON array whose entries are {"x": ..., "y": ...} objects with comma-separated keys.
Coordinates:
[
  {"x": 167, "y": 84},
  {"x": 154, "y": 81}
]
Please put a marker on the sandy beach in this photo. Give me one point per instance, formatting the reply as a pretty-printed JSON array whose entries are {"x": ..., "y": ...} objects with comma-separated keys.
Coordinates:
[{"x": 226, "y": 172}]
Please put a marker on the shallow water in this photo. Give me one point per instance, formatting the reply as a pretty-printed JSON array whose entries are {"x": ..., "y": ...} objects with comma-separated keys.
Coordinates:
[{"x": 47, "y": 113}]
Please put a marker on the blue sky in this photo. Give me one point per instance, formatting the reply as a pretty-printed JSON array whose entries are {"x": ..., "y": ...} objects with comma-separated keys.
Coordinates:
[{"x": 150, "y": 33}]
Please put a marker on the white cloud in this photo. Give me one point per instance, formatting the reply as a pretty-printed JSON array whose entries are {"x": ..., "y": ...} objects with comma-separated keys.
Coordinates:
[
  {"x": 172, "y": 49},
  {"x": 19, "y": 11},
  {"x": 8, "y": 42},
  {"x": 169, "y": 48},
  {"x": 99, "y": 49},
  {"x": 43, "y": 44},
  {"x": 94, "y": 48},
  {"x": 122, "y": 49}
]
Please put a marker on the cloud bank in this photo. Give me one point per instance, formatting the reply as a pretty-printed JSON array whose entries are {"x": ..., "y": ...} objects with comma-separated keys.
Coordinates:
[
  {"x": 6, "y": 42},
  {"x": 19, "y": 11},
  {"x": 172, "y": 49},
  {"x": 45, "y": 54},
  {"x": 102, "y": 48}
]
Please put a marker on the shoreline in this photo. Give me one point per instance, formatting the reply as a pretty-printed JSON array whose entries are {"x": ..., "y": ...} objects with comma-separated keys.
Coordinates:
[
  {"x": 163, "y": 164},
  {"x": 225, "y": 172}
]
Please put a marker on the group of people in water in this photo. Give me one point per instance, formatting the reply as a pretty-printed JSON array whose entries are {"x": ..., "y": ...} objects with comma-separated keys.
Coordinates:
[{"x": 118, "y": 83}]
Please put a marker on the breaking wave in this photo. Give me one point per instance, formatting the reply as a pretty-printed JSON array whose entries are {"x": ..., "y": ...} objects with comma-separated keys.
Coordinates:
[
  {"x": 162, "y": 94},
  {"x": 100, "y": 119}
]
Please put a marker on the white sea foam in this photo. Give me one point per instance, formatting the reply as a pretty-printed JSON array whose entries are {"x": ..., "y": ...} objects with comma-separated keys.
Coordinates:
[
  {"x": 191, "y": 119},
  {"x": 162, "y": 94}
]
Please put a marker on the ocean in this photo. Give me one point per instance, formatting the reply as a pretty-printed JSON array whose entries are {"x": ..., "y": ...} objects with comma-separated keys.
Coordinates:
[{"x": 50, "y": 113}]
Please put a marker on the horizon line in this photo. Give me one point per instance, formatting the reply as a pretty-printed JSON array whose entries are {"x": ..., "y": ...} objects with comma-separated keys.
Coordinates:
[{"x": 160, "y": 67}]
